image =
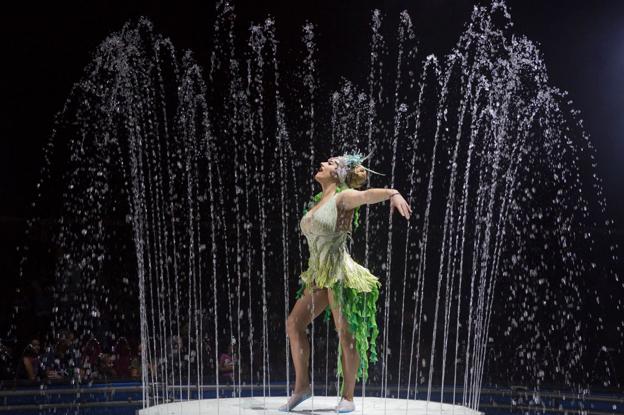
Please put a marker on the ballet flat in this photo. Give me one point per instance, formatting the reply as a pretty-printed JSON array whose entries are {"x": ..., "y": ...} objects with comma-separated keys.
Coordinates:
[
  {"x": 294, "y": 400},
  {"x": 345, "y": 406}
]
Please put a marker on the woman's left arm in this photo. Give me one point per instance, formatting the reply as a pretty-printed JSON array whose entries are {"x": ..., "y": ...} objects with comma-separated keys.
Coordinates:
[{"x": 351, "y": 198}]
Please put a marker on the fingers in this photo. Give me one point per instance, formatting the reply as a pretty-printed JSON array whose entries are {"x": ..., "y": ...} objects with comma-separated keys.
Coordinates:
[
  {"x": 402, "y": 207},
  {"x": 398, "y": 208},
  {"x": 405, "y": 210}
]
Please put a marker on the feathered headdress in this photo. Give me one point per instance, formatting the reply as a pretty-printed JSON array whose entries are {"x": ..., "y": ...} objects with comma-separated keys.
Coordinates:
[{"x": 347, "y": 162}]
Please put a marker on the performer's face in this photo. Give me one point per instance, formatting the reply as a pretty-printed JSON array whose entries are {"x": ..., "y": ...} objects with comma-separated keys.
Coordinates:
[{"x": 327, "y": 171}]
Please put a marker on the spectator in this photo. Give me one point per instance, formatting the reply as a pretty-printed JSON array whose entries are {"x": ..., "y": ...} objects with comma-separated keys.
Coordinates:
[
  {"x": 135, "y": 363},
  {"x": 90, "y": 354},
  {"x": 58, "y": 362},
  {"x": 227, "y": 363},
  {"x": 106, "y": 366},
  {"x": 29, "y": 365}
]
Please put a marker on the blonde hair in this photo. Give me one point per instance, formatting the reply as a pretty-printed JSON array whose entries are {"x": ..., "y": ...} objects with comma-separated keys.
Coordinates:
[{"x": 356, "y": 177}]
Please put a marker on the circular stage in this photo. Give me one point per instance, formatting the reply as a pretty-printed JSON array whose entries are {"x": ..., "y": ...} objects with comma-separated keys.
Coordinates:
[{"x": 319, "y": 405}]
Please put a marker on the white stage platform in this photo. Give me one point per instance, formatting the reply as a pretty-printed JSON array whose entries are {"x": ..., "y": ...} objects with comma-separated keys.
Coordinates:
[{"x": 319, "y": 405}]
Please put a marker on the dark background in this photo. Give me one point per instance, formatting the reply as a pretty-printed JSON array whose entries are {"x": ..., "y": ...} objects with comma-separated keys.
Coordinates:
[{"x": 44, "y": 53}]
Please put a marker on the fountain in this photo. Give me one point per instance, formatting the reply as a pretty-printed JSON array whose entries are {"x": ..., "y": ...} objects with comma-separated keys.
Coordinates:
[{"x": 183, "y": 187}]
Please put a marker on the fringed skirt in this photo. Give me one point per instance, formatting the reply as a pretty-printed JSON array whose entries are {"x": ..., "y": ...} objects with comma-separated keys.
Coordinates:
[{"x": 356, "y": 292}]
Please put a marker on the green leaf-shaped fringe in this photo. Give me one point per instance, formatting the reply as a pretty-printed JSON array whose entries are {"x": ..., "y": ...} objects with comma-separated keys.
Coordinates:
[
  {"x": 360, "y": 311},
  {"x": 338, "y": 267}
]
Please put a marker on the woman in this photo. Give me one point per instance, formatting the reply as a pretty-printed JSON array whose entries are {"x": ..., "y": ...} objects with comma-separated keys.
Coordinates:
[{"x": 334, "y": 279}]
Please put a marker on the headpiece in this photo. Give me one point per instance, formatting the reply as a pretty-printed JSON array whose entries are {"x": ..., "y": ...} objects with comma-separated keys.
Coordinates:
[{"x": 347, "y": 162}]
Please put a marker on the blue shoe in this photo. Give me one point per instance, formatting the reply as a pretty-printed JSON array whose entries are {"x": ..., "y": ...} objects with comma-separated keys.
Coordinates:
[{"x": 294, "y": 400}]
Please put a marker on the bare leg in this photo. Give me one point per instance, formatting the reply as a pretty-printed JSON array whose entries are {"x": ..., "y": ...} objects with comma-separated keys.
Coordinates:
[
  {"x": 350, "y": 356},
  {"x": 306, "y": 309}
]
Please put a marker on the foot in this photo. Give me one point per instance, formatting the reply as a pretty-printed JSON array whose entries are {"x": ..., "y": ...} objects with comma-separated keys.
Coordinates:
[
  {"x": 295, "y": 400},
  {"x": 345, "y": 406}
]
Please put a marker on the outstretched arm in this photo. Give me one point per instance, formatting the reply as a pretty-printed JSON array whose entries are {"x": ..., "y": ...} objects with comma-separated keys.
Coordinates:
[{"x": 351, "y": 198}]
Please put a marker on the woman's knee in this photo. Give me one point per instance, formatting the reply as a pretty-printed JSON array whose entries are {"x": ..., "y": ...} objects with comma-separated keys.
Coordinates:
[
  {"x": 349, "y": 349},
  {"x": 345, "y": 336},
  {"x": 293, "y": 326}
]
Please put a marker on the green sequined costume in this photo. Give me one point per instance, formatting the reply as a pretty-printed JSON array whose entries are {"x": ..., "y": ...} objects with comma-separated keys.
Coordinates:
[{"x": 355, "y": 289}]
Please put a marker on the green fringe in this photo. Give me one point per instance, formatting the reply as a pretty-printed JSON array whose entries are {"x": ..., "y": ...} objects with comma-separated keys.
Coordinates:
[
  {"x": 360, "y": 311},
  {"x": 327, "y": 273}
]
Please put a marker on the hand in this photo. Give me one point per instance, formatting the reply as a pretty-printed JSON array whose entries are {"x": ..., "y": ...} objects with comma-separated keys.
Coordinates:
[
  {"x": 52, "y": 374},
  {"x": 399, "y": 203}
]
